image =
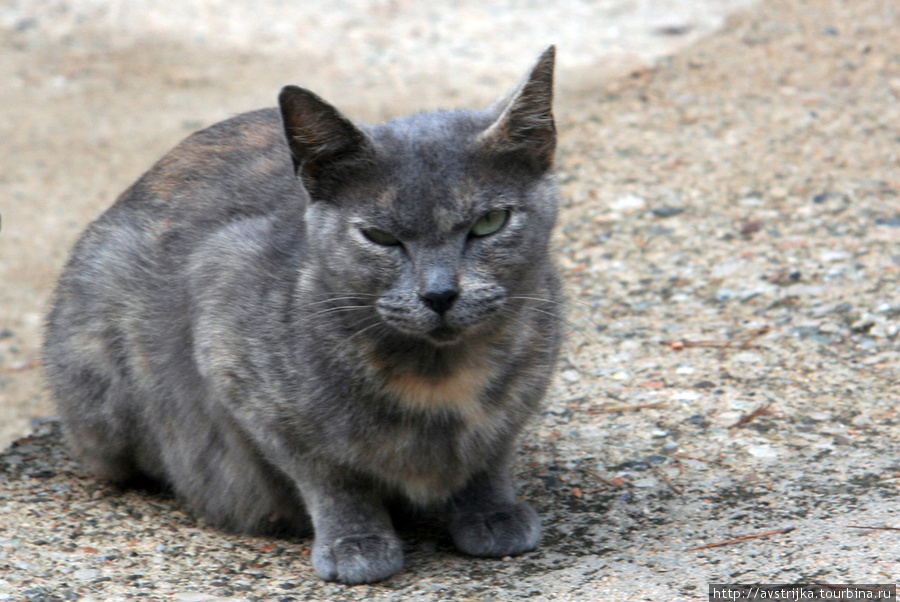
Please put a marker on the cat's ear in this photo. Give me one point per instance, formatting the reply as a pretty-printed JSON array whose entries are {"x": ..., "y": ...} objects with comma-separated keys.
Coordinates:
[
  {"x": 319, "y": 136},
  {"x": 524, "y": 122}
]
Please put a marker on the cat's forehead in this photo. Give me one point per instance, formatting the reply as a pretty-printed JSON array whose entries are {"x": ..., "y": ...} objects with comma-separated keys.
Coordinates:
[
  {"x": 430, "y": 176},
  {"x": 431, "y": 127},
  {"x": 411, "y": 212}
]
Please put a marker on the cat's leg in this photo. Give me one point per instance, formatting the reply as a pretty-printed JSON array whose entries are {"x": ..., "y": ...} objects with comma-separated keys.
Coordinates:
[
  {"x": 96, "y": 436},
  {"x": 81, "y": 366},
  {"x": 487, "y": 520},
  {"x": 216, "y": 470},
  {"x": 355, "y": 540}
]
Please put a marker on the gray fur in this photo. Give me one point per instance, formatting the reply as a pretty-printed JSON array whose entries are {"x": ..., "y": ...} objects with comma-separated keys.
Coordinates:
[{"x": 229, "y": 329}]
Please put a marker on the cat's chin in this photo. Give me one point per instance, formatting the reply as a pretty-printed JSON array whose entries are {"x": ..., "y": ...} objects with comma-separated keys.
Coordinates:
[{"x": 444, "y": 335}]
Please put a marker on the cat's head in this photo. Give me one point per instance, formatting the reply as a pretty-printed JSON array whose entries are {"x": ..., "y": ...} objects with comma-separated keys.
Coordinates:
[{"x": 434, "y": 223}]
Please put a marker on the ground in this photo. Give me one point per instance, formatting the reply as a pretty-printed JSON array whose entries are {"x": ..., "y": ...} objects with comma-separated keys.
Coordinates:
[{"x": 730, "y": 242}]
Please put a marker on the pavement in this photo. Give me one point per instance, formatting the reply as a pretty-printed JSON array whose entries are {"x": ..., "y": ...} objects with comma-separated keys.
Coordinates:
[{"x": 726, "y": 408}]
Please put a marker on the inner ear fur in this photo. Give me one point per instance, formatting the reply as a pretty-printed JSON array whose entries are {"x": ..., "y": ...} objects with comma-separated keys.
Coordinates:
[
  {"x": 318, "y": 135},
  {"x": 525, "y": 117}
]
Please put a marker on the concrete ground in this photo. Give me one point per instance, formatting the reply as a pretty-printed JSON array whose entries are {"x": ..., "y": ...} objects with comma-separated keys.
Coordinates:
[{"x": 731, "y": 247}]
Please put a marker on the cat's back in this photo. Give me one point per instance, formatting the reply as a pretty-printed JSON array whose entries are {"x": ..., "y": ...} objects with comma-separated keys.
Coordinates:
[
  {"x": 237, "y": 168},
  {"x": 126, "y": 277}
]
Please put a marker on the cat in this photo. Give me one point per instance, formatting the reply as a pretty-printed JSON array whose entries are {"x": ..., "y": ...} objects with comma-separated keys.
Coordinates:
[{"x": 293, "y": 321}]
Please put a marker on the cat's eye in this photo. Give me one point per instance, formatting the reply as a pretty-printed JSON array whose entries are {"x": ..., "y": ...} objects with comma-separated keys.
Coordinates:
[
  {"x": 380, "y": 237},
  {"x": 490, "y": 223}
]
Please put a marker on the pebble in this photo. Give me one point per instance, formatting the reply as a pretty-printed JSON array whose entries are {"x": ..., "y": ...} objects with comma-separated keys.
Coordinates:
[
  {"x": 893, "y": 222},
  {"x": 570, "y": 376},
  {"x": 862, "y": 421},
  {"x": 748, "y": 357},
  {"x": 665, "y": 211},
  {"x": 763, "y": 452},
  {"x": 628, "y": 203},
  {"x": 86, "y": 574},
  {"x": 645, "y": 482},
  {"x": 685, "y": 395},
  {"x": 885, "y": 330},
  {"x": 833, "y": 255}
]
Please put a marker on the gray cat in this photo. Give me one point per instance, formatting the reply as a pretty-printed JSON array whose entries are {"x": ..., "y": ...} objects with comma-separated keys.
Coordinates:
[{"x": 295, "y": 319}]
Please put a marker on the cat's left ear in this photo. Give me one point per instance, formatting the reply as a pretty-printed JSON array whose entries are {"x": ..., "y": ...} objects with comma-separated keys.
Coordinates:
[
  {"x": 525, "y": 118},
  {"x": 321, "y": 139}
]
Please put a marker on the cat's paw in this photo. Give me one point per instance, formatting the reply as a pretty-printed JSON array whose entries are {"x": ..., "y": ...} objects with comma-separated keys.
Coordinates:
[
  {"x": 358, "y": 558},
  {"x": 501, "y": 531}
]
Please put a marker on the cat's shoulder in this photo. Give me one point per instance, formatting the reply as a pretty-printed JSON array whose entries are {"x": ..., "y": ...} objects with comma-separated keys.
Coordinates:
[
  {"x": 239, "y": 166},
  {"x": 254, "y": 129},
  {"x": 252, "y": 141}
]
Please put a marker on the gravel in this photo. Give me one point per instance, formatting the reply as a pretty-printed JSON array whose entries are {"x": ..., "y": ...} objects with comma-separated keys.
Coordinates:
[{"x": 732, "y": 255}]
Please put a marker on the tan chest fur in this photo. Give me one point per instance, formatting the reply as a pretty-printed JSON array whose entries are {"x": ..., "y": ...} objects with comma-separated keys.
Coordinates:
[{"x": 458, "y": 391}]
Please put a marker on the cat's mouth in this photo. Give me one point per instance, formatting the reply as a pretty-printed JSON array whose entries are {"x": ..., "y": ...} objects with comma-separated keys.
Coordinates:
[
  {"x": 444, "y": 335},
  {"x": 409, "y": 316},
  {"x": 436, "y": 331}
]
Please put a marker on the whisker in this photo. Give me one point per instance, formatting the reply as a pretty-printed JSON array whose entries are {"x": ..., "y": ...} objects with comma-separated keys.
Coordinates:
[
  {"x": 583, "y": 314},
  {"x": 507, "y": 311},
  {"x": 340, "y": 297},
  {"x": 571, "y": 325},
  {"x": 567, "y": 342},
  {"x": 570, "y": 344},
  {"x": 345, "y": 293},
  {"x": 564, "y": 303},
  {"x": 359, "y": 332},
  {"x": 337, "y": 309}
]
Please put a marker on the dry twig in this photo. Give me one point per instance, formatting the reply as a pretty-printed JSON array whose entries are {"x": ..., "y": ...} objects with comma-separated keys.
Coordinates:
[
  {"x": 745, "y": 343},
  {"x": 875, "y": 528},
  {"x": 668, "y": 482},
  {"x": 599, "y": 477},
  {"x": 622, "y": 408},
  {"x": 760, "y": 411},
  {"x": 742, "y": 342},
  {"x": 740, "y": 539},
  {"x": 707, "y": 460}
]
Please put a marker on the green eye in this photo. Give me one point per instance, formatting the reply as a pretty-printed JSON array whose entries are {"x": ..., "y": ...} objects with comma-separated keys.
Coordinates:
[
  {"x": 380, "y": 237},
  {"x": 490, "y": 223}
]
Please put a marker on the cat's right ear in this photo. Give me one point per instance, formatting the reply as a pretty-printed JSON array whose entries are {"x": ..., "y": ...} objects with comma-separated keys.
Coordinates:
[{"x": 320, "y": 138}]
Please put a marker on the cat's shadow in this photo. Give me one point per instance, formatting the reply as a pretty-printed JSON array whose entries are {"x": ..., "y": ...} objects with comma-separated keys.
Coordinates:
[{"x": 425, "y": 533}]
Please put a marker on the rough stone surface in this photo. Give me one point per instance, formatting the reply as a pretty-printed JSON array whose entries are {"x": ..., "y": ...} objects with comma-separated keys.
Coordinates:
[{"x": 732, "y": 254}]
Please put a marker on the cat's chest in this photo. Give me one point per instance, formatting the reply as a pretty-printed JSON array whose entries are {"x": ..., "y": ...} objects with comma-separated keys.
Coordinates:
[
  {"x": 458, "y": 394},
  {"x": 452, "y": 386},
  {"x": 441, "y": 429},
  {"x": 426, "y": 459}
]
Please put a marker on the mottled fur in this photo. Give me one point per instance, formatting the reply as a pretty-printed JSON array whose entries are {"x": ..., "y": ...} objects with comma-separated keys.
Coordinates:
[{"x": 229, "y": 328}]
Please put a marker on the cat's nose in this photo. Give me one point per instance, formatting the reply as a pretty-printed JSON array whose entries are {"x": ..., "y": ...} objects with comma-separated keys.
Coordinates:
[{"x": 440, "y": 300}]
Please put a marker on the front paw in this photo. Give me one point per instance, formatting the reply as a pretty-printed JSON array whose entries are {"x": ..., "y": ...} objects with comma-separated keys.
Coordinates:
[
  {"x": 355, "y": 559},
  {"x": 505, "y": 530}
]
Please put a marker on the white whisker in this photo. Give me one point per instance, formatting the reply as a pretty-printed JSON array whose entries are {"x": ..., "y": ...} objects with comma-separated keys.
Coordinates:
[
  {"x": 337, "y": 309},
  {"x": 364, "y": 329}
]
